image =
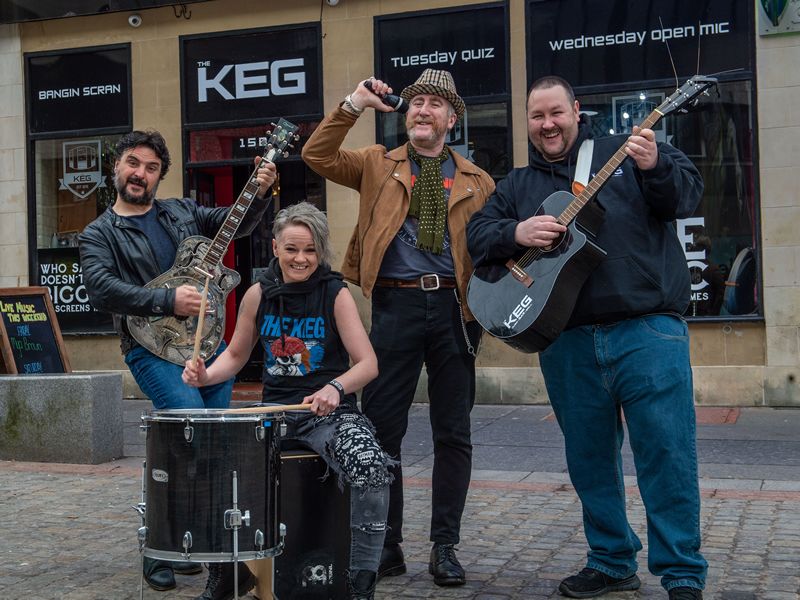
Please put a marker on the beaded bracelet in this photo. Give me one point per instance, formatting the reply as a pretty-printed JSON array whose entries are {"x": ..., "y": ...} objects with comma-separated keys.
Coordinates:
[{"x": 350, "y": 107}]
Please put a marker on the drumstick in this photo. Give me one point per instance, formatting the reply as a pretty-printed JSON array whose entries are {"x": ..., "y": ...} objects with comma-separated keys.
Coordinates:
[
  {"x": 268, "y": 409},
  {"x": 198, "y": 336}
]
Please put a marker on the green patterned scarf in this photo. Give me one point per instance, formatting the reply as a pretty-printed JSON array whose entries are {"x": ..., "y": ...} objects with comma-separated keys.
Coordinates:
[{"x": 428, "y": 204}]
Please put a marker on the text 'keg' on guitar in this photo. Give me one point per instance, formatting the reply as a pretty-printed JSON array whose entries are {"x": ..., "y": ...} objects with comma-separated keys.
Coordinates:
[
  {"x": 173, "y": 337},
  {"x": 528, "y": 300}
]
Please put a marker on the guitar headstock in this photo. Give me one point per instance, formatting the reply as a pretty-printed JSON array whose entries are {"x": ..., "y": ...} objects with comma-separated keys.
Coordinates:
[
  {"x": 280, "y": 140},
  {"x": 687, "y": 96}
]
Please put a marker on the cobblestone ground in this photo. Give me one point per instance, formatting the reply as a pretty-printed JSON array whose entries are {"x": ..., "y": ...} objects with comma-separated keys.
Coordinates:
[{"x": 69, "y": 532}]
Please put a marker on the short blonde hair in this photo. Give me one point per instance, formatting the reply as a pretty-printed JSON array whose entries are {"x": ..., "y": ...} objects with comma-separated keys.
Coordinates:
[{"x": 305, "y": 213}]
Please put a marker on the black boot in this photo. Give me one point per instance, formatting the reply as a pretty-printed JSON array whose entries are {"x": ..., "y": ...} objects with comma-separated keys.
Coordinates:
[
  {"x": 362, "y": 585},
  {"x": 158, "y": 574},
  {"x": 444, "y": 566},
  {"x": 220, "y": 581},
  {"x": 184, "y": 567},
  {"x": 392, "y": 561}
]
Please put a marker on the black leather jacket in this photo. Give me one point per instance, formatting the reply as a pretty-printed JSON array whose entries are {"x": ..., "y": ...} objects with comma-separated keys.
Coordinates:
[{"x": 117, "y": 260}]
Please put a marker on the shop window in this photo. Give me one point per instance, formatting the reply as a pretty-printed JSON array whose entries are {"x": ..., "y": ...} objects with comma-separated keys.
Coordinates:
[
  {"x": 481, "y": 135},
  {"x": 74, "y": 184},
  {"x": 720, "y": 240}
]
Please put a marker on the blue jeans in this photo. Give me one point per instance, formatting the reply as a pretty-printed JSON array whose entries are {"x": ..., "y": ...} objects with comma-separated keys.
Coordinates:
[
  {"x": 640, "y": 367},
  {"x": 161, "y": 381}
]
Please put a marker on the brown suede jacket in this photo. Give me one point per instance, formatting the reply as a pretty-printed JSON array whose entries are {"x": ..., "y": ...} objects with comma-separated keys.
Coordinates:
[{"x": 383, "y": 178}]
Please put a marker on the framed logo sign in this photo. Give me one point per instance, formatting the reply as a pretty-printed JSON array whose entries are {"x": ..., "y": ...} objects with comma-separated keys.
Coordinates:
[
  {"x": 250, "y": 75},
  {"x": 79, "y": 89}
]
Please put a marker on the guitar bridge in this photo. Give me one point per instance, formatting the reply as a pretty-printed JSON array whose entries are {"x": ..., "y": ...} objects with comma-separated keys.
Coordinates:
[{"x": 519, "y": 274}]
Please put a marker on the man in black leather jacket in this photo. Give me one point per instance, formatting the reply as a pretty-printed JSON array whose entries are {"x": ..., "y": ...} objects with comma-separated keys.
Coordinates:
[{"x": 133, "y": 242}]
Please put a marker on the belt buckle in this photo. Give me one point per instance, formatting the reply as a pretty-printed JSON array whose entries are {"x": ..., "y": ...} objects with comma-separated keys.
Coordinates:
[{"x": 429, "y": 288}]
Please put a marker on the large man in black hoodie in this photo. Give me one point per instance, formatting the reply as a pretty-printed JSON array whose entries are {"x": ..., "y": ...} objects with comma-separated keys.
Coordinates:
[{"x": 625, "y": 347}]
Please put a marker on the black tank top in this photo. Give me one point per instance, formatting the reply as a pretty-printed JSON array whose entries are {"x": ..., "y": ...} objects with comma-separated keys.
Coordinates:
[{"x": 302, "y": 347}]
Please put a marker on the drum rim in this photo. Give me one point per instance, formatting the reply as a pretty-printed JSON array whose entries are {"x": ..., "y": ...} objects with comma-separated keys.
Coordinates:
[{"x": 219, "y": 415}]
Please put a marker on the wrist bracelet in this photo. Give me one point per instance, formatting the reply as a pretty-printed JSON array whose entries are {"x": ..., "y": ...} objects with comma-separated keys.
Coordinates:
[
  {"x": 339, "y": 387},
  {"x": 350, "y": 107}
]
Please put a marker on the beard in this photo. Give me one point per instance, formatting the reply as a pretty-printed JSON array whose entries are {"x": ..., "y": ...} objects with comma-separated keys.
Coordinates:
[
  {"x": 146, "y": 197},
  {"x": 432, "y": 139}
]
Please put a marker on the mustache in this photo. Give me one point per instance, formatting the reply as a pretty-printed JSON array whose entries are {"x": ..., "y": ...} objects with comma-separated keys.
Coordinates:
[{"x": 137, "y": 181}]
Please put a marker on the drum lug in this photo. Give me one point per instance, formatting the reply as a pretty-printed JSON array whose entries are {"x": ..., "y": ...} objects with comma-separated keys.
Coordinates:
[
  {"x": 141, "y": 535},
  {"x": 261, "y": 433},
  {"x": 187, "y": 543},
  {"x": 259, "y": 540},
  {"x": 188, "y": 433},
  {"x": 234, "y": 518},
  {"x": 139, "y": 508},
  {"x": 283, "y": 429}
]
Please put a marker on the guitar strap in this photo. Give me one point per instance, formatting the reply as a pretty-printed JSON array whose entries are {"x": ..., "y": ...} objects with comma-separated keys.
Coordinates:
[
  {"x": 592, "y": 215},
  {"x": 583, "y": 167}
]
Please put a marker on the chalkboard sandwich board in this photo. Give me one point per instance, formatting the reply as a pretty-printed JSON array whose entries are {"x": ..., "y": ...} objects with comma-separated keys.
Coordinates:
[{"x": 30, "y": 339}]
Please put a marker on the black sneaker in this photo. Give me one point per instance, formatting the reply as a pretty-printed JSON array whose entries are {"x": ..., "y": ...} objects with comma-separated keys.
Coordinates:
[
  {"x": 362, "y": 585},
  {"x": 591, "y": 582},
  {"x": 220, "y": 581},
  {"x": 685, "y": 593},
  {"x": 392, "y": 561},
  {"x": 444, "y": 566}
]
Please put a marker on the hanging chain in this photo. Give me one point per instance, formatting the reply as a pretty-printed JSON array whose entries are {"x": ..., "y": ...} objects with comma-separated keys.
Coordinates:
[{"x": 470, "y": 349}]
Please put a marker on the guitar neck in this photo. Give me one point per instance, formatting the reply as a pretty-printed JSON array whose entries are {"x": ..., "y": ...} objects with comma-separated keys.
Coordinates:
[
  {"x": 226, "y": 233},
  {"x": 599, "y": 180}
]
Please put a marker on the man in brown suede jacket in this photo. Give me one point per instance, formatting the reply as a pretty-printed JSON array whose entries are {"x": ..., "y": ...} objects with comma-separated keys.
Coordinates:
[{"x": 408, "y": 252}]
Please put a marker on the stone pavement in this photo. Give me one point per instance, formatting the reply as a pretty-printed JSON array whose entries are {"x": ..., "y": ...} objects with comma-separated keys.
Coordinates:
[{"x": 67, "y": 531}]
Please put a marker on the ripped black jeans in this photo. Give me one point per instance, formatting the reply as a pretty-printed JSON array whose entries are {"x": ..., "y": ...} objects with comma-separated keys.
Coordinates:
[{"x": 345, "y": 439}]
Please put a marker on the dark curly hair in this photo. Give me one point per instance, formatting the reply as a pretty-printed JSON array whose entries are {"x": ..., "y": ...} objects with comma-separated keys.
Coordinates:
[{"x": 153, "y": 140}]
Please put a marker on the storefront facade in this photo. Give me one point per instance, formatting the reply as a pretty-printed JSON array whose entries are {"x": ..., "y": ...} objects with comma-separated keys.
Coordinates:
[{"x": 211, "y": 76}]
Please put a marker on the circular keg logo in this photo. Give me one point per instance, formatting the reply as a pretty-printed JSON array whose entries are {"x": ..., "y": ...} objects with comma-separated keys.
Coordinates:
[{"x": 160, "y": 476}]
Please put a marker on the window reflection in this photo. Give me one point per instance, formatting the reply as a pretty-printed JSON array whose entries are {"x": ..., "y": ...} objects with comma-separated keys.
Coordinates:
[{"x": 720, "y": 240}]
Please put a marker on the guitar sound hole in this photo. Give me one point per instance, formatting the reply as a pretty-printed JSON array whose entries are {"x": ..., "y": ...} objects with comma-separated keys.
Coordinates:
[{"x": 556, "y": 242}]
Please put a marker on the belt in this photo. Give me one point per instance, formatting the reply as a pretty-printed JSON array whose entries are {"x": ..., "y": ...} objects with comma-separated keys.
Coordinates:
[{"x": 426, "y": 283}]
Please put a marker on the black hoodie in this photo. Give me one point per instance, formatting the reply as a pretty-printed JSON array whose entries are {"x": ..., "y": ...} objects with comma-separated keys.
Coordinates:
[{"x": 645, "y": 269}]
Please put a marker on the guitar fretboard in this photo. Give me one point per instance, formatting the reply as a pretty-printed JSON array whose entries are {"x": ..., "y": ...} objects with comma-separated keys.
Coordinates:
[{"x": 226, "y": 233}]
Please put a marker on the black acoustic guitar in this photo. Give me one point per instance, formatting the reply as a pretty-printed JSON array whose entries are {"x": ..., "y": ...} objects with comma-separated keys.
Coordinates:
[
  {"x": 173, "y": 337},
  {"x": 527, "y": 301}
]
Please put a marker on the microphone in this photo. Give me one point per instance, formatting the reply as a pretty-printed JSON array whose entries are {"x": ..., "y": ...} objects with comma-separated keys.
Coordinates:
[{"x": 395, "y": 102}]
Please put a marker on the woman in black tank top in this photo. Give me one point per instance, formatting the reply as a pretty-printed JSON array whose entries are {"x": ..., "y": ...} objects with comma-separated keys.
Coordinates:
[{"x": 316, "y": 352}]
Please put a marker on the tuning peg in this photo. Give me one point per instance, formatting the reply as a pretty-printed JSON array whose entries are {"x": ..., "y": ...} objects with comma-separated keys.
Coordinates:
[
  {"x": 273, "y": 124},
  {"x": 285, "y": 154},
  {"x": 296, "y": 137},
  {"x": 290, "y": 146}
]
